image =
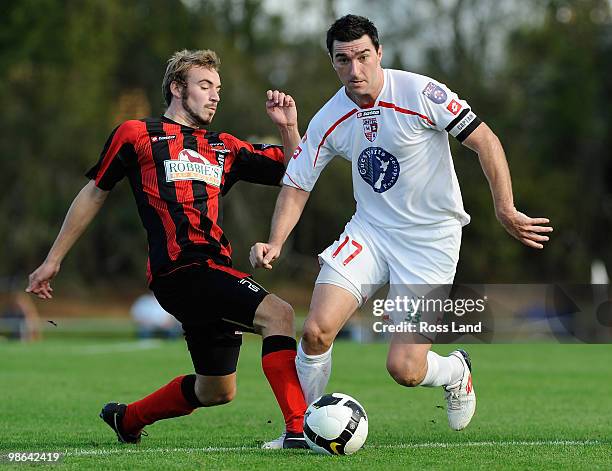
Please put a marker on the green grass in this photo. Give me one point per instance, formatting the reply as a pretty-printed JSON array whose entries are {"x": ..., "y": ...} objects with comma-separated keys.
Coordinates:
[{"x": 539, "y": 407}]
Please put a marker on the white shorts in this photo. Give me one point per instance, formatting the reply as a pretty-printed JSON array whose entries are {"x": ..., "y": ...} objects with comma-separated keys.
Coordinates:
[{"x": 366, "y": 257}]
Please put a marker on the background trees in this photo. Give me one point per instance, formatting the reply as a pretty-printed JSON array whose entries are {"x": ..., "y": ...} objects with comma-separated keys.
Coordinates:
[{"x": 538, "y": 72}]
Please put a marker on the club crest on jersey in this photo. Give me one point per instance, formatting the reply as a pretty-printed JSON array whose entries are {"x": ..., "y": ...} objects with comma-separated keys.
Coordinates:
[
  {"x": 192, "y": 166},
  {"x": 378, "y": 168},
  {"x": 435, "y": 93},
  {"x": 370, "y": 128}
]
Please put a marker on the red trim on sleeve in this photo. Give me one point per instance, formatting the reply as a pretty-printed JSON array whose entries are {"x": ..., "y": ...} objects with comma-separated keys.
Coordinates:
[
  {"x": 394, "y": 107},
  {"x": 330, "y": 130},
  {"x": 126, "y": 133}
]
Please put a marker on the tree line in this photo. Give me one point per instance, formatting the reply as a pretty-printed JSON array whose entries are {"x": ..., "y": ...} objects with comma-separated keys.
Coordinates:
[{"x": 72, "y": 70}]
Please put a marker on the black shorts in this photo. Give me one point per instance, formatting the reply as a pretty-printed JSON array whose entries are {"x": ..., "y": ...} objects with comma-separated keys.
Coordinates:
[{"x": 215, "y": 304}]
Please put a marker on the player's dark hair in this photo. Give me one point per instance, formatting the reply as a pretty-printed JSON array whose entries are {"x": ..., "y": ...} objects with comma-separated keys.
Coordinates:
[{"x": 349, "y": 28}]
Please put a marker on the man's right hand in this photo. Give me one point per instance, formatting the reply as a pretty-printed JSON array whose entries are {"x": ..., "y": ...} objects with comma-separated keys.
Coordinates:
[
  {"x": 40, "y": 280},
  {"x": 262, "y": 255}
]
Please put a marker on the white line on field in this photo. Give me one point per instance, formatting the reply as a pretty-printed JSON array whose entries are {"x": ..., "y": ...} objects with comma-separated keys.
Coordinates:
[
  {"x": 492, "y": 443},
  {"x": 213, "y": 449}
]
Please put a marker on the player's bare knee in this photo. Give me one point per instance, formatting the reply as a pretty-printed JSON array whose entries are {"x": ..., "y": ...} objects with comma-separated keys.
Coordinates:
[
  {"x": 274, "y": 317},
  {"x": 216, "y": 398},
  {"x": 407, "y": 379},
  {"x": 315, "y": 340},
  {"x": 223, "y": 397},
  {"x": 403, "y": 374},
  {"x": 285, "y": 313},
  {"x": 395, "y": 369}
]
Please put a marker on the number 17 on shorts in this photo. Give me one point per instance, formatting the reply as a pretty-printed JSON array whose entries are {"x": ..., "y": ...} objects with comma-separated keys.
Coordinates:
[
  {"x": 358, "y": 248},
  {"x": 356, "y": 257}
]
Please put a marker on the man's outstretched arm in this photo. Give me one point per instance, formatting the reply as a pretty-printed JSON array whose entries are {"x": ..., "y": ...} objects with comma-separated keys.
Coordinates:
[
  {"x": 282, "y": 111},
  {"x": 530, "y": 231},
  {"x": 82, "y": 211},
  {"x": 289, "y": 207}
]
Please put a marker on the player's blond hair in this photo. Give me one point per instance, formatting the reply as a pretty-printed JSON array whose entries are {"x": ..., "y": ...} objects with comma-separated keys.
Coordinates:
[{"x": 180, "y": 63}]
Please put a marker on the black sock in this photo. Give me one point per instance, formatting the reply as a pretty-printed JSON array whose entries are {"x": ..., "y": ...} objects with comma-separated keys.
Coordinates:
[
  {"x": 276, "y": 343},
  {"x": 188, "y": 390}
]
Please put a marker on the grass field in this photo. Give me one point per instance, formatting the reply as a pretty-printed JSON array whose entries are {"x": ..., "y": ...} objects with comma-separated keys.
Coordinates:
[{"x": 539, "y": 407}]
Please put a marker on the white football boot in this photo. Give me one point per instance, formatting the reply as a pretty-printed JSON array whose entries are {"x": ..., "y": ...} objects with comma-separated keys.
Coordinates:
[
  {"x": 287, "y": 440},
  {"x": 460, "y": 396},
  {"x": 275, "y": 444}
]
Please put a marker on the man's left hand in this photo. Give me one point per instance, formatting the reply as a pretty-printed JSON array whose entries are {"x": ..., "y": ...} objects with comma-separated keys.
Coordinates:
[{"x": 530, "y": 231}]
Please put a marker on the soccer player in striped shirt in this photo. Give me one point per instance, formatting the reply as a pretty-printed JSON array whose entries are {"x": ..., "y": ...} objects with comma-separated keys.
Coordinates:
[{"x": 178, "y": 171}]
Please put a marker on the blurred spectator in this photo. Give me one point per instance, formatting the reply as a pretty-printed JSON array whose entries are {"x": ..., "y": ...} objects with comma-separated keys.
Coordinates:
[
  {"x": 19, "y": 319},
  {"x": 152, "y": 321}
]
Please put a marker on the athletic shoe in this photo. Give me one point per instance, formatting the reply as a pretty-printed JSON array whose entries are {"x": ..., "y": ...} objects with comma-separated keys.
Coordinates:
[
  {"x": 275, "y": 444},
  {"x": 286, "y": 440},
  {"x": 460, "y": 397},
  {"x": 112, "y": 413},
  {"x": 294, "y": 440}
]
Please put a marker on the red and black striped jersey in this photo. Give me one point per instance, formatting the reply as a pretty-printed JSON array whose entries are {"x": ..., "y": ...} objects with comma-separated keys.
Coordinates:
[{"x": 178, "y": 175}]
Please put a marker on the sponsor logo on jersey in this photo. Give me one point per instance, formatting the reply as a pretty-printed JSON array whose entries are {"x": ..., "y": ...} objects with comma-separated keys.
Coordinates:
[
  {"x": 163, "y": 138},
  {"x": 370, "y": 128},
  {"x": 454, "y": 107},
  {"x": 378, "y": 168},
  {"x": 298, "y": 149},
  {"x": 217, "y": 144},
  {"x": 192, "y": 166},
  {"x": 365, "y": 114},
  {"x": 435, "y": 93}
]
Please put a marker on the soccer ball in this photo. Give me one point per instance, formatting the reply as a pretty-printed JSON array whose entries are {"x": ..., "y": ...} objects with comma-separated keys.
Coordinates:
[{"x": 335, "y": 424}]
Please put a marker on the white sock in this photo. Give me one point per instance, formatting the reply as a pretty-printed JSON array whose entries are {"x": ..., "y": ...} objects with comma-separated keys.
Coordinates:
[
  {"x": 314, "y": 372},
  {"x": 442, "y": 371}
]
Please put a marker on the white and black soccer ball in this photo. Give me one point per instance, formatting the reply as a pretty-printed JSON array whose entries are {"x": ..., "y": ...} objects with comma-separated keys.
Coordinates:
[{"x": 335, "y": 424}]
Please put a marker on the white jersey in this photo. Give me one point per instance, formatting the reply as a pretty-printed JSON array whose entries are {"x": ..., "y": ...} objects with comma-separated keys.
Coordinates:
[{"x": 403, "y": 173}]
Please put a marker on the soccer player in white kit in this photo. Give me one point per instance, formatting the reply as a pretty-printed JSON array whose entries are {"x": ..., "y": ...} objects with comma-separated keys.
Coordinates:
[{"x": 393, "y": 127}]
